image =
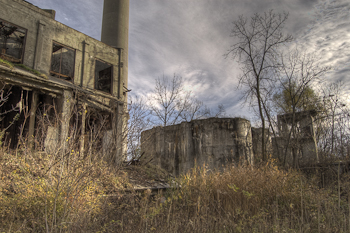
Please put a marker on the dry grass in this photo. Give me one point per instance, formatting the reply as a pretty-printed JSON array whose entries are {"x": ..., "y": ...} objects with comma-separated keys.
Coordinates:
[
  {"x": 245, "y": 199},
  {"x": 46, "y": 193}
]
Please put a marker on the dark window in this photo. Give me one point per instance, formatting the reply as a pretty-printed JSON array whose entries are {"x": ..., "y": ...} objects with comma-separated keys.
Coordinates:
[
  {"x": 11, "y": 42},
  {"x": 103, "y": 76},
  {"x": 62, "y": 62}
]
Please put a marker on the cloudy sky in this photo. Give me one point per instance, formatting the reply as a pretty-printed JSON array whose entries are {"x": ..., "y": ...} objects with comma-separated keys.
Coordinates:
[{"x": 189, "y": 38}]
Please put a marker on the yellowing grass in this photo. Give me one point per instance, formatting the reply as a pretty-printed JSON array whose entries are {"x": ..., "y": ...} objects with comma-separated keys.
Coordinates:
[
  {"x": 45, "y": 193},
  {"x": 40, "y": 193}
]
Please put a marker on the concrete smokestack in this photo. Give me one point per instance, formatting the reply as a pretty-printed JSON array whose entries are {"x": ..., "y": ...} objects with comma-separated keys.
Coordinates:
[{"x": 115, "y": 29}]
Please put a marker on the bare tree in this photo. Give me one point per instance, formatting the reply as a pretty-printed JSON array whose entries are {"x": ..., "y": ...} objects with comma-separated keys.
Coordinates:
[
  {"x": 169, "y": 100},
  {"x": 298, "y": 71},
  {"x": 195, "y": 109},
  {"x": 220, "y": 111},
  {"x": 139, "y": 120},
  {"x": 334, "y": 125},
  {"x": 171, "y": 103},
  {"x": 296, "y": 74},
  {"x": 256, "y": 51}
]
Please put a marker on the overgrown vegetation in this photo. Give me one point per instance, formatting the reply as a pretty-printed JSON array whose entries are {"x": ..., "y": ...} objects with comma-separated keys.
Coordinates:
[
  {"x": 11, "y": 65},
  {"x": 30, "y": 70},
  {"x": 58, "y": 189},
  {"x": 6, "y": 63},
  {"x": 246, "y": 199},
  {"x": 40, "y": 194}
]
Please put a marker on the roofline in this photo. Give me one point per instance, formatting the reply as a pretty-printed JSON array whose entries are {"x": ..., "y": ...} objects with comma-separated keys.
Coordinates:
[{"x": 35, "y": 8}]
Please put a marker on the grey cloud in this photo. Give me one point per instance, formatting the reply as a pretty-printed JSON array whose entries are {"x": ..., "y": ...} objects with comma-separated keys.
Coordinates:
[
  {"x": 308, "y": 3},
  {"x": 82, "y": 15},
  {"x": 190, "y": 37}
]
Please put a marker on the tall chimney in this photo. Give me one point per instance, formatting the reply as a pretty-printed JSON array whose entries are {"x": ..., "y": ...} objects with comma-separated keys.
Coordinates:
[{"x": 115, "y": 29}]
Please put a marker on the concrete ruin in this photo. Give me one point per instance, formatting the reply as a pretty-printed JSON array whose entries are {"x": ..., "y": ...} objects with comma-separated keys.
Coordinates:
[
  {"x": 214, "y": 142},
  {"x": 296, "y": 145},
  {"x": 83, "y": 80},
  {"x": 217, "y": 142}
]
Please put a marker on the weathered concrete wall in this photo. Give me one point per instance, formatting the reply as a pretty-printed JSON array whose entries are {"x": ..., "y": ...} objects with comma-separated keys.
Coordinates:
[
  {"x": 214, "y": 142},
  {"x": 257, "y": 143}
]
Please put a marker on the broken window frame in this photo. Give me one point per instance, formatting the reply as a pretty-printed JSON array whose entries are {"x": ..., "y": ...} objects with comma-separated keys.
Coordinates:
[
  {"x": 59, "y": 74},
  {"x": 5, "y": 55},
  {"x": 96, "y": 77}
]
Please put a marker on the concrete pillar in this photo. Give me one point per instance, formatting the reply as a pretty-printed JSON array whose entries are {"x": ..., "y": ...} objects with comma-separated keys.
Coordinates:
[
  {"x": 186, "y": 148},
  {"x": 83, "y": 54},
  {"x": 115, "y": 30},
  {"x": 67, "y": 100},
  {"x": 51, "y": 139},
  {"x": 118, "y": 134},
  {"x": 308, "y": 141},
  {"x": 39, "y": 45},
  {"x": 34, "y": 105},
  {"x": 244, "y": 141},
  {"x": 107, "y": 144},
  {"x": 160, "y": 145}
]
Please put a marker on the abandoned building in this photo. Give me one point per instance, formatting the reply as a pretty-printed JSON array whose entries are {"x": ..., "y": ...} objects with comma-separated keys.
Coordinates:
[
  {"x": 217, "y": 142},
  {"x": 214, "y": 142},
  {"x": 56, "y": 71},
  {"x": 296, "y": 144}
]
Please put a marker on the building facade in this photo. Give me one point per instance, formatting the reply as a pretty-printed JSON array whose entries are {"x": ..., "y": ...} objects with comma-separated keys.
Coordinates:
[{"x": 64, "y": 78}]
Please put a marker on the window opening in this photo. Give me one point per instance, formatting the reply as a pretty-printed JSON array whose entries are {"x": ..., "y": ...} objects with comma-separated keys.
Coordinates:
[
  {"x": 11, "y": 42},
  {"x": 62, "y": 62},
  {"x": 103, "y": 76}
]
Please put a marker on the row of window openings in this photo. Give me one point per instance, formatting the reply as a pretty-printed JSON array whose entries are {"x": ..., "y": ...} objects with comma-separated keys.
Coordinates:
[{"x": 12, "y": 40}]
